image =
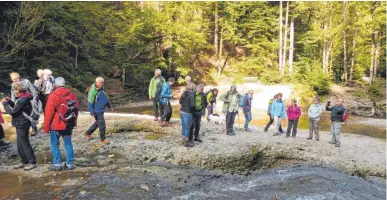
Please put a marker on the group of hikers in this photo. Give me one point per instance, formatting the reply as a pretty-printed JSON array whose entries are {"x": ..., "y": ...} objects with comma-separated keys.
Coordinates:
[
  {"x": 194, "y": 102},
  {"x": 60, "y": 108}
]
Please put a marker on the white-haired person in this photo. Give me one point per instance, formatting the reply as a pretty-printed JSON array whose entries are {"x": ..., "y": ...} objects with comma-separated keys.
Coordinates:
[
  {"x": 97, "y": 102},
  {"x": 45, "y": 86},
  {"x": 57, "y": 127},
  {"x": 154, "y": 90}
]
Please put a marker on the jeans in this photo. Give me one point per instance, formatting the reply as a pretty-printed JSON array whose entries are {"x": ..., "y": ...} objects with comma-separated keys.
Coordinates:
[
  {"x": 166, "y": 112},
  {"x": 335, "y": 130},
  {"x": 248, "y": 118},
  {"x": 156, "y": 107},
  {"x": 230, "y": 119},
  {"x": 2, "y": 136},
  {"x": 195, "y": 128},
  {"x": 24, "y": 146},
  {"x": 99, "y": 123},
  {"x": 270, "y": 123},
  {"x": 292, "y": 124},
  {"x": 56, "y": 155},
  {"x": 186, "y": 123},
  {"x": 313, "y": 127},
  {"x": 277, "y": 124}
]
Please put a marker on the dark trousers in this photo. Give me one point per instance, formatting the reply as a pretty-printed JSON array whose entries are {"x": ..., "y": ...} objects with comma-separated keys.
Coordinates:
[
  {"x": 166, "y": 111},
  {"x": 270, "y": 123},
  {"x": 230, "y": 119},
  {"x": 24, "y": 146},
  {"x": 292, "y": 124},
  {"x": 195, "y": 128},
  {"x": 99, "y": 123},
  {"x": 43, "y": 99},
  {"x": 210, "y": 110},
  {"x": 2, "y": 135},
  {"x": 156, "y": 107}
]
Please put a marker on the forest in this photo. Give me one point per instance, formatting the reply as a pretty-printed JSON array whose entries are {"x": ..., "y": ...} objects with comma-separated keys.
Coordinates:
[{"x": 310, "y": 43}]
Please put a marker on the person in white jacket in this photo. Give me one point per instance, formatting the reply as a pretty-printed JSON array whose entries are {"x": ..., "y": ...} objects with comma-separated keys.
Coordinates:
[{"x": 314, "y": 114}]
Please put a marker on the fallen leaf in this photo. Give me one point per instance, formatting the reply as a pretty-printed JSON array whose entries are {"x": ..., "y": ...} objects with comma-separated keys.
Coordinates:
[{"x": 144, "y": 187}]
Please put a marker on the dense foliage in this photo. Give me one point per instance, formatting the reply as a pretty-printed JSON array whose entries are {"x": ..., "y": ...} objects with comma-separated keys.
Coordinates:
[{"x": 125, "y": 41}]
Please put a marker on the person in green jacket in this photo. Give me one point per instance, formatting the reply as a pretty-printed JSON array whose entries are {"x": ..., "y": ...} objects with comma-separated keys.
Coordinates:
[
  {"x": 155, "y": 86},
  {"x": 231, "y": 101}
]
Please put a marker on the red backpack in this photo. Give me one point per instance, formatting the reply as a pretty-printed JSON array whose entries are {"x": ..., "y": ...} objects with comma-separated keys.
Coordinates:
[
  {"x": 68, "y": 109},
  {"x": 345, "y": 115}
]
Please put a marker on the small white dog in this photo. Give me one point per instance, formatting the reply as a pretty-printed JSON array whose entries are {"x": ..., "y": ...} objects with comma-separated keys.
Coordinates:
[{"x": 217, "y": 119}]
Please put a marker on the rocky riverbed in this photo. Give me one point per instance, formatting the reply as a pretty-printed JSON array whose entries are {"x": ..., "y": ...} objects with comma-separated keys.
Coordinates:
[{"x": 137, "y": 142}]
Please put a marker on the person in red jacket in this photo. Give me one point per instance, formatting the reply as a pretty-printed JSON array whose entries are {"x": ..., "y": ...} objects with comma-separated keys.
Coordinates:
[
  {"x": 59, "y": 120},
  {"x": 294, "y": 113}
]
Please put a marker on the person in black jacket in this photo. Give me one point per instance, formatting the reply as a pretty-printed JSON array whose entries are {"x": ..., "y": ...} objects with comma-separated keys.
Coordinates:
[
  {"x": 187, "y": 103},
  {"x": 337, "y": 113},
  {"x": 199, "y": 112},
  {"x": 21, "y": 123}
]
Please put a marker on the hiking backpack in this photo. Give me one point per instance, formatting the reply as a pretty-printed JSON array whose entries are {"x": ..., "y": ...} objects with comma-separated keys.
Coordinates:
[
  {"x": 242, "y": 104},
  {"x": 37, "y": 108},
  {"x": 68, "y": 109},
  {"x": 158, "y": 89},
  {"x": 345, "y": 115}
]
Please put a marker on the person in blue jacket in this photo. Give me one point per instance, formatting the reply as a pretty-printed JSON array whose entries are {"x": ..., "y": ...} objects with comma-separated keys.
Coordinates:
[
  {"x": 165, "y": 104},
  {"x": 277, "y": 113},
  {"x": 97, "y": 102}
]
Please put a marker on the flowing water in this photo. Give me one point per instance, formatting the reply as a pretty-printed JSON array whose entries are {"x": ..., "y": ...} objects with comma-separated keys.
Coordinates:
[{"x": 165, "y": 181}]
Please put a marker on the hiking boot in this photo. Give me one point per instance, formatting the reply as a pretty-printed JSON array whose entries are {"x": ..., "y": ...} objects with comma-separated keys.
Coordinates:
[
  {"x": 276, "y": 134},
  {"x": 167, "y": 124},
  {"x": 55, "y": 168},
  {"x": 293, "y": 136},
  {"x": 105, "y": 141},
  {"x": 89, "y": 137},
  {"x": 309, "y": 138},
  {"x": 230, "y": 134},
  {"x": 4, "y": 144},
  {"x": 69, "y": 167},
  {"x": 337, "y": 145},
  {"x": 156, "y": 119},
  {"x": 198, "y": 140},
  {"x": 34, "y": 131},
  {"x": 287, "y": 136},
  {"x": 317, "y": 139},
  {"x": 162, "y": 124},
  {"x": 332, "y": 142},
  {"x": 19, "y": 166},
  {"x": 29, "y": 167},
  {"x": 188, "y": 143},
  {"x": 265, "y": 130},
  {"x": 247, "y": 130}
]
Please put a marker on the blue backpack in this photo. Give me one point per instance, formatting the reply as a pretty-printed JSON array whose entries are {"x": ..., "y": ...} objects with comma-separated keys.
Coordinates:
[{"x": 242, "y": 103}]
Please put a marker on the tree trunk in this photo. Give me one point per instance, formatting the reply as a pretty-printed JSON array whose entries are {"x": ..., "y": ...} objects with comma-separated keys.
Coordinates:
[
  {"x": 123, "y": 77},
  {"x": 353, "y": 55},
  {"x": 325, "y": 49},
  {"x": 372, "y": 56},
  {"x": 291, "y": 49},
  {"x": 216, "y": 32},
  {"x": 220, "y": 52},
  {"x": 280, "y": 42},
  {"x": 330, "y": 48},
  {"x": 377, "y": 54},
  {"x": 76, "y": 57},
  {"x": 345, "y": 44},
  {"x": 286, "y": 36}
]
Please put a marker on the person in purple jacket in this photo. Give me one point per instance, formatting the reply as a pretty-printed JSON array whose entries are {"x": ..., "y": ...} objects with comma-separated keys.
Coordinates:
[{"x": 294, "y": 113}]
